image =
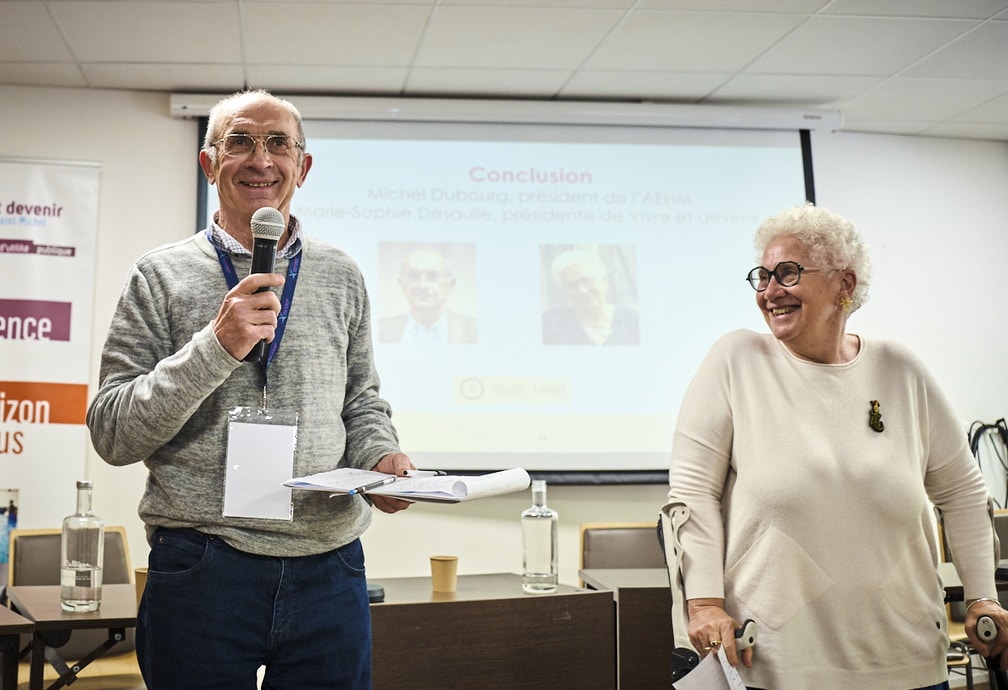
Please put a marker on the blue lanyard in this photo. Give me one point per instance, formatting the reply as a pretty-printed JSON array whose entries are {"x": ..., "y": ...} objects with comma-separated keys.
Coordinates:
[{"x": 285, "y": 299}]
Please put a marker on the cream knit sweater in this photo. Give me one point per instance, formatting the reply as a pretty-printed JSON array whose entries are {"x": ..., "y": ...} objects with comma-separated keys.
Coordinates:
[{"x": 818, "y": 527}]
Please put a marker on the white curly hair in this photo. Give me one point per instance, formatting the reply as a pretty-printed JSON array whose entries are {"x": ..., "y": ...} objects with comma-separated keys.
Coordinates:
[{"x": 830, "y": 239}]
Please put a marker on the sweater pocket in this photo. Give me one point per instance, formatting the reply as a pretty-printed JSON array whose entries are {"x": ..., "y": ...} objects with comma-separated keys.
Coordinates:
[
  {"x": 912, "y": 587},
  {"x": 776, "y": 578}
]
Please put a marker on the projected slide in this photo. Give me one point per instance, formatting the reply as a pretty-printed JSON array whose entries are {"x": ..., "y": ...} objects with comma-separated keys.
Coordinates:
[{"x": 541, "y": 296}]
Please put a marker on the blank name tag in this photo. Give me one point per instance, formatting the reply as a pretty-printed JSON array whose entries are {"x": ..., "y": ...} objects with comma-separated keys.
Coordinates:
[{"x": 260, "y": 458}]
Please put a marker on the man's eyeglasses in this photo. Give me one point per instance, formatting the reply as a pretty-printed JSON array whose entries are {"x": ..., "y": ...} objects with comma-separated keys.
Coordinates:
[
  {"x": 415, "y": 276},
  {"x": 787, "y": 273},
  {"x": 244, "y": 144}
]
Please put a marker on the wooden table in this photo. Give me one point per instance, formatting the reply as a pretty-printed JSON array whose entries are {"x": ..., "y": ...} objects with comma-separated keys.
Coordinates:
[
  {"x": 488, "y": 634},
  {"x": 12, "y": 626},
  {"x": 41, "y": 605},
  {"x": 644, "y": 639}
]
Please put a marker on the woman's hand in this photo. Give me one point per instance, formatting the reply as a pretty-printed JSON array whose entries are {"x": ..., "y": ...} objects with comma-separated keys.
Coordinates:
[
  {"x": 987, "y": 607},
  {"x": 710, "y": 626}
]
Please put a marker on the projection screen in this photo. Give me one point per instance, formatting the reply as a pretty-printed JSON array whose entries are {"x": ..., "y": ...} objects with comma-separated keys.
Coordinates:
[{"x": 524, "y": 232}]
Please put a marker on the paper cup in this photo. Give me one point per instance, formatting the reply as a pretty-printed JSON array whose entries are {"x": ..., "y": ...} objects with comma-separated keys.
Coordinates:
[{"x": 444, "y": 573}]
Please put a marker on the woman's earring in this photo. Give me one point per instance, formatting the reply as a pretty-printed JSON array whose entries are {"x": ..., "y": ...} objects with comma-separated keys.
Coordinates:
[{"x": 846, "y": 303}]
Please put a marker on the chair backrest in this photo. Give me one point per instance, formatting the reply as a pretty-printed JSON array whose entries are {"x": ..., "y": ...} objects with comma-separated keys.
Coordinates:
[
  {"x": 34, "y": 559},
  {"x": 620, "y": 545},
  {"x": 1001, "y": 529}
]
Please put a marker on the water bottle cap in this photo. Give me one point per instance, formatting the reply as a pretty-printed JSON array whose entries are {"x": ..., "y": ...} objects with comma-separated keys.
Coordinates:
[{"x": 83, "y": 483}]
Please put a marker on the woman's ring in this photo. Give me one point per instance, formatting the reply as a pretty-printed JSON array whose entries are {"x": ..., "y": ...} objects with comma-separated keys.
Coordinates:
[{"x": 715, "y": 643}]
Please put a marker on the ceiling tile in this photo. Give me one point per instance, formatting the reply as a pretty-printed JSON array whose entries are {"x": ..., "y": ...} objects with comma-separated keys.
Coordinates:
[
  {"x": 281, "y": 4},
  {"x": 27, "y": 34},
  {"x": 799, "y": 90},
  {"x": 885, "y": 126},
  {"x": 857, "y": 46},
  {"x": 689, "y": 41},
  {"x": 994, "y": 110},
  {"x": 994, "y": 131},
  {"x": 319, "y": 79},
  {"x": 933, "y": 67},
  {"x": 486, "y": 83},
  {"x": 568, "y": 4},
  {"x": 775, "y": 6},
  {"x": 335, "y": 34},
  {"x": 971, "y": 9},
  {"x": 149, "y": 31},
  {"x": 921, "y": 99},
  {"x": 979, "y": 54},
  {"x": 172, "y": 76},
  {"x": 680, "y": 87},
  {"x": 41, "y": 74},
  {"x": 503, "y": 37}
]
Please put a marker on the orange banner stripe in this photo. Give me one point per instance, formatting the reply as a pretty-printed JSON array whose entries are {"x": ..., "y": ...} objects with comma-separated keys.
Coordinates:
[{"x": 32, "y": 402}]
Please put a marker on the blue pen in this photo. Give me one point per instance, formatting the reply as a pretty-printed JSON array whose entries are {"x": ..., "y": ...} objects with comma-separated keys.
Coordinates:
[{"x": 372, "y": 485}]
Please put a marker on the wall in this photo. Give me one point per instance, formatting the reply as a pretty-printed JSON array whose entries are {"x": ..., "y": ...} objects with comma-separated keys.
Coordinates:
[
  {"x": 147, "y": 198},
  {"x": 933, "y": 212}
]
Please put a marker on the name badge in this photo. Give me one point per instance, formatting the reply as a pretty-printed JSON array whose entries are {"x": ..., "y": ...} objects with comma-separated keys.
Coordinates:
[{"x": 260, "y": 458}]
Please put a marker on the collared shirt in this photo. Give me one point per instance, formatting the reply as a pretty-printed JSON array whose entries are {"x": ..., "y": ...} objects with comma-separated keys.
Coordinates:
[
  {"x": 415, "y": 332},
  {"x": 232, "y": 246}
]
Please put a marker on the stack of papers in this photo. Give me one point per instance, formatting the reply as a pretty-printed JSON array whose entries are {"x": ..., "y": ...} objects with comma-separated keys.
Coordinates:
[
  {"x": 439, "y": 489},
  {"x": 713, "y": 673}
]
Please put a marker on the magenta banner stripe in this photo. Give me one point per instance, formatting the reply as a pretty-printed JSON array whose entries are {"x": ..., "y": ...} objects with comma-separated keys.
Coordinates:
[{"x": 27, "y": 319}]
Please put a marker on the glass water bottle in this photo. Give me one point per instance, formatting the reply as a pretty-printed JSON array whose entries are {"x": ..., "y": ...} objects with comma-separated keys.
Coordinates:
[
  {"x": 539, "y": 544},
  {"x": 82, "y": 555}
]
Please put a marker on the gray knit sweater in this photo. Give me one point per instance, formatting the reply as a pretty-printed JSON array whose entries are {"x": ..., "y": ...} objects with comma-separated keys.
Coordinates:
[{"x": 166, "y": 385}]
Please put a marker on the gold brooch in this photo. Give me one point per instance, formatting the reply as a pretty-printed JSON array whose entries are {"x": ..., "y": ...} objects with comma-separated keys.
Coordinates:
[{"x": 875, "y": 417}]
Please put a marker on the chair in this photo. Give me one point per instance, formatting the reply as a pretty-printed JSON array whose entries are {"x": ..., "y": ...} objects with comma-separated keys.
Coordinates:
[
  {"x": 34, "y": 559},
  {"x": 620, "y": 545}
]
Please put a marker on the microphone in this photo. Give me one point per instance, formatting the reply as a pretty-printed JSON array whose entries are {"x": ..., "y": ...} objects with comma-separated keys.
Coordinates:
[{"x": 267, "y": 226}]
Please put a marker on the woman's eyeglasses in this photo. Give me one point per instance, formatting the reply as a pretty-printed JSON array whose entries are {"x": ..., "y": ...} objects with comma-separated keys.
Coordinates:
[{"x": 787, "y": 273}]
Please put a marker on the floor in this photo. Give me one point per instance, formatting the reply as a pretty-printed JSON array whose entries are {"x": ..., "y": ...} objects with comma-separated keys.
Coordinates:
[
  {"x": 116, "y": 672},
  {"x": 122, "y": 673},
  {"x": 108, "y": 673}
]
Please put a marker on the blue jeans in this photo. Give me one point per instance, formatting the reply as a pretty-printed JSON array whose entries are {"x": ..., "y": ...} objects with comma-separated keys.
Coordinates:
[{"x": 212, "y": 615}]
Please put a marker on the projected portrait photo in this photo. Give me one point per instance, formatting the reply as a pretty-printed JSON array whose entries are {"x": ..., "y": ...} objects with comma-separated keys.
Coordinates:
[
  {"x": 427, "y": 293},
  {"x": 589, "y": 295}
]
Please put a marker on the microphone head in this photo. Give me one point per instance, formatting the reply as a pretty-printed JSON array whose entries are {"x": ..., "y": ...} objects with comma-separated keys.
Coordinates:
[{"x": 267, "y": 224}]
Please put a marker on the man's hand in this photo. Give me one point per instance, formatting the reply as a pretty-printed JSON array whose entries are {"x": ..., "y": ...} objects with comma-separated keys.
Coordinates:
[
  {"x": 397, "y": 464},
  {"x": 246, "y": 315}
]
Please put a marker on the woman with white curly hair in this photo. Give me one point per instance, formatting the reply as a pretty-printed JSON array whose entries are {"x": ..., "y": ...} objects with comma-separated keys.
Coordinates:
[{"x": 810, "y": 459}]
